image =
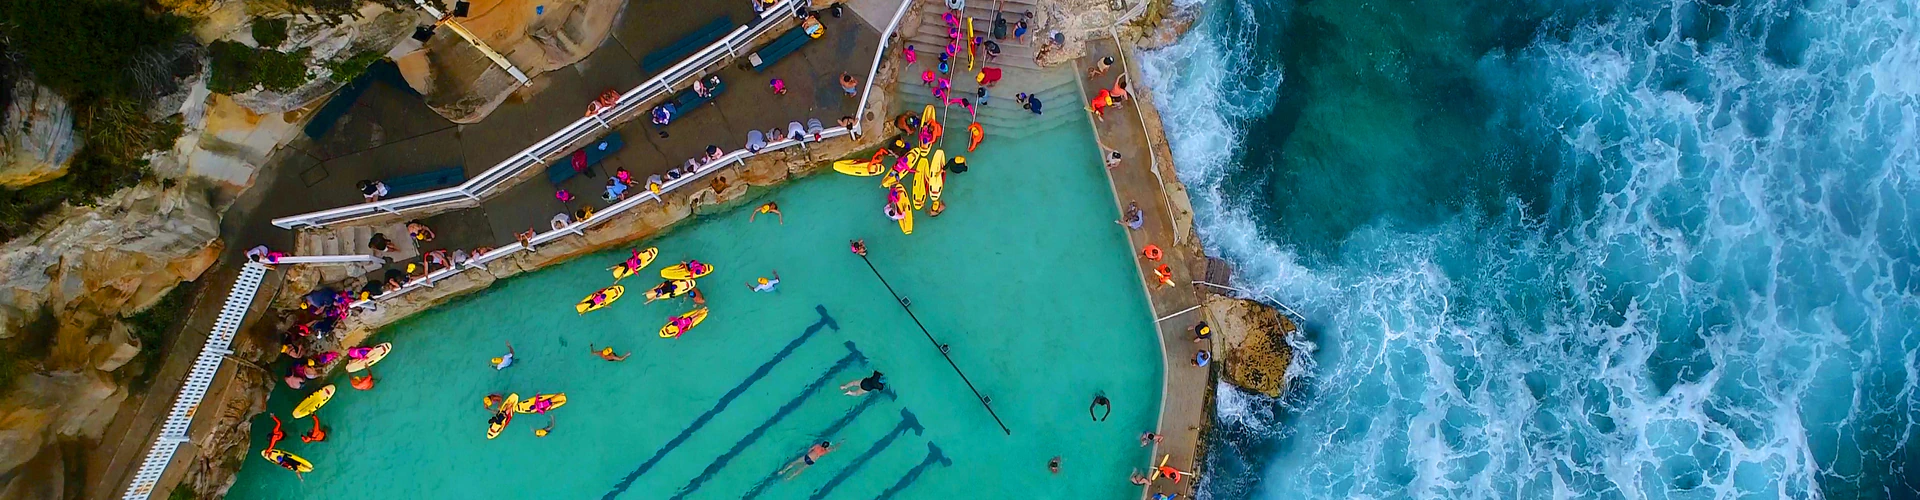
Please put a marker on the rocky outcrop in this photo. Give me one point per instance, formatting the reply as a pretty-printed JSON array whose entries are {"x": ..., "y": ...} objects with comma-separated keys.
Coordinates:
[
  {"x": 37, "y": 138},
  {"x": 1253, "y": 337},
  {"x": 39, "y": 412},
  {"x": 104, "y": 261},
  {"x": 376, "y": 28},
  {"x": 537, "y": 36}
]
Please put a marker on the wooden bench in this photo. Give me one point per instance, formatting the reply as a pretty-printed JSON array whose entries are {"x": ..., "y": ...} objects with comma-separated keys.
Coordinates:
[{"x": 700, "y": 38}]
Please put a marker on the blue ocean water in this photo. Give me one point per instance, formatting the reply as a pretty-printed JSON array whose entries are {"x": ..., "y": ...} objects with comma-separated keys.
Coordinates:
[{"x": 1564, "y": 249}]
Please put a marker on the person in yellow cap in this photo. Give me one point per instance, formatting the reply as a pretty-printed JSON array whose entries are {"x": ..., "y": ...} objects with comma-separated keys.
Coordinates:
[
  {"x": 502, "y": 362},
  {"x": 606, "y": 353},
  {"x": 765, "y": 284},
  {"x": 1202, "y": 332}
]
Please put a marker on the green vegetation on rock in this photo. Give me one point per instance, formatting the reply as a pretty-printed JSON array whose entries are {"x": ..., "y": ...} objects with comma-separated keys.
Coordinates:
[
  {"x": 109, "y": 58},
  {"x": 269, "y": 33},
  {"x": 155, "y": 326},
  {"x": 345, "y": 70},
  {"x": 238, "y": 68}
]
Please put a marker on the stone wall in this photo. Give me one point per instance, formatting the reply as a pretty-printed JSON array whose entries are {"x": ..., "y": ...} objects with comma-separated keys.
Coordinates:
[{"x": 36, "y": 137}]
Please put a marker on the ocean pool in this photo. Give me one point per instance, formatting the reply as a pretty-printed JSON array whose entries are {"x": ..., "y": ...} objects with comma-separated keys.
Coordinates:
[{"x": 1025, "y": 277}]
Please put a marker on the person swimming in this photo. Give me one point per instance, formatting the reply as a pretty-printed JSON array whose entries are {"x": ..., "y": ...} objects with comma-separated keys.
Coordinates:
[
  {"x": 277, "y": 435},
  {"x": 768, "y": 208},
  {"x": 606, "y": 353},
  {"x": 766, "y": 285},
  {"x": 318, "y": 434},
  {"x": 870, "y": 383},
  {"x": 544, "y": 431},
  {"x": 859, "y": 247},
  {"x": 361, "y": 382},
  {"x": 1100, "y": 401},
  {"x": 504, "y": 361},
  {"x": 812, "y": 456}
]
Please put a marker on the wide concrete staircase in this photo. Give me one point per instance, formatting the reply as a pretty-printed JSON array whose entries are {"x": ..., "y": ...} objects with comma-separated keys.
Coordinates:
[
  {"x": 352, "y": 240},
  {"x": 1057, "y": 88}
]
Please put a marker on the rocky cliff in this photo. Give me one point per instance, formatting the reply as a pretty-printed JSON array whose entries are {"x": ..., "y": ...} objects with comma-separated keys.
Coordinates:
[
  {"x": 537, "y": 36},
  {"x": 63, "y": 290},
  {"x": 1253, "y": 338},
  {"x": 37, "y": 137}
]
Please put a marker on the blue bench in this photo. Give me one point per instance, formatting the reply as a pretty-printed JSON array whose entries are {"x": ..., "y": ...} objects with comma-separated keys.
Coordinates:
[
  {"x": 686, "y": 100},
  {"x": 671, "y": 54},
  {"x": 425, "y": 181},
  {"x": 780, "y": 48},
  {"x": 593, "y": 154}
]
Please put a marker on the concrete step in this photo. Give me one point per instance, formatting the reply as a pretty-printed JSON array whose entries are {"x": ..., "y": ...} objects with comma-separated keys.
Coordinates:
[
  {"x": 930, "y": 45},
  {"x": 982, "y": 12},
  {"x": 1004, "y": 116}
]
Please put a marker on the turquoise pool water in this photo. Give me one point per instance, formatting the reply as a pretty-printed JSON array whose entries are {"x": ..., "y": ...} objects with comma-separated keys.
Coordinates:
[{"x": 1025, "y": 276}]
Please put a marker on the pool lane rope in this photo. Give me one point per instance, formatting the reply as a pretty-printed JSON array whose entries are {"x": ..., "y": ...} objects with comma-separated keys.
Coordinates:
[{"x": 985, "y": 401}]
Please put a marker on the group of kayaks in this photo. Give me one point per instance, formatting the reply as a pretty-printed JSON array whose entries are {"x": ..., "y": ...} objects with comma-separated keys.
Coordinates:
[
  {"x": 679, "y": 280},
  {"x": 314, "y": 401},
  {"x": 506, "y": 408},
  {"x": 918, "y": 177}
]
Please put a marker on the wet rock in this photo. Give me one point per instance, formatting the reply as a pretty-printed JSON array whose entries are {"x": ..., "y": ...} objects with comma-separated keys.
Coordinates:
[
  {"x": 1254, "y": 339},
  {"x": 37, "y": 139}
]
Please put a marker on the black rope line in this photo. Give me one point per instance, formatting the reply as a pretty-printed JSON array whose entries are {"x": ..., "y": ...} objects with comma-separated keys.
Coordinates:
[{"x": 985, "y": 402}]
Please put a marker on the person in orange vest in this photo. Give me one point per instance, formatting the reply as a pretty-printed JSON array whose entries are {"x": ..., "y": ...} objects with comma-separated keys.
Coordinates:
[{"x": 318, "y": 434}]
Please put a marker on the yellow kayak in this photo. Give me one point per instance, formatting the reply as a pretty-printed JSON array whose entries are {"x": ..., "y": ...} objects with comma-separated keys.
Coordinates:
[
  {"x": 313, "y": 402},
  {"x": 906, "y": 219},
  {"x": 620, "y": 271},
  {"x": 860, "y": 168},
  {"x": 680, "y": 287},
  {"x": 681, "y": 272},
  {"x": 526, "y": 406},
  {"x": 936, "y": 175},
  {"x": 299, "y": 464},
  {"x": 613, "y": 294},
  {"x": 920, "y": 185},
  {"x": 929, "y": 116},
  {"x": 697, "y": 315},
  {"x": 503, "y": 417},
  {"x": 378, "y": 353}
]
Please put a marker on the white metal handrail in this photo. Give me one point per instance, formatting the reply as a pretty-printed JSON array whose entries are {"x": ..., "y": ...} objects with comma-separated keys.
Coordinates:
[
  {"x": 173, "y": 431},
  {"x": 880, "y": 54},
  {"x": 579, "y": 227},
  {"x": 535, "y": 155},
  {"x": 328, "y": 259}
]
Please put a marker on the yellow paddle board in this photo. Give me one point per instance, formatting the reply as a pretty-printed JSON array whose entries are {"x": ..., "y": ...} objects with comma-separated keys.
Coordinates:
[
  {"x": 505, "y": 415},
  {"x": 313, "y": 402},
  {"x": 860, "y": 168},
  {"x": 906, "y": 219},
  {"x": 697, "y": 315},
  {"x": 920, "y": 185},
  {"x": 936, "y": 175},
  {"x": 929, "y": 116},
  {"x": 526, "y": 406},
  {"x": 613, "y": 294},
  {"x": 374, "y": 356},
  {"x": 680, "y": 272},
  {"x": 620, "y": 270},
  {"x": 680, "y": 287},
  {"x": 299, "y": 464}
]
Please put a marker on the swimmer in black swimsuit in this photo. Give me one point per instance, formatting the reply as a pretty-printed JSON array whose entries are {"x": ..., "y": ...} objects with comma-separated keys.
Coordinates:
[{"x": 1100, "y": 401}]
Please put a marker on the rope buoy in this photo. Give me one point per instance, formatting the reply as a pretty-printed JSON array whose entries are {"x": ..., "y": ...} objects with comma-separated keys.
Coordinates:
[{"x": 1152, "y": 252}]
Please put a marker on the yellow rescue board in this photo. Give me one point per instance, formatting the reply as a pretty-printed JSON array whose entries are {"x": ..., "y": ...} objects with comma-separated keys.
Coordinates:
[
  {"x": 697, "y": 315},
  {"x": 613, "y": 294},
  {"x": 620, "y": 271},
  {"x": 299, "y": 464},
  {"x": 313, "y": 402}
]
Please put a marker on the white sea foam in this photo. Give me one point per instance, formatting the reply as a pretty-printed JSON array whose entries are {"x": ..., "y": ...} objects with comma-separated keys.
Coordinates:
[{"x": 1738, "y": 231}]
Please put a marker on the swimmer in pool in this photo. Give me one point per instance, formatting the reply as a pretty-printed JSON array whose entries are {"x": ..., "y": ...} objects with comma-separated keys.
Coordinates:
[
  {"x": 543, "y": 431},
  {"x": 274, "y": 439},
  {"x": 859, "y": 247},
  {"x": 870, "y": 383},
  {"x": 606, "y": 353},
  {"x": 318, "y": 434},
  {"x": 1100, "y": 401},
  {"x": 768, "y": 208},
  {"x": 766, "y": 285},
  {"x": 813, "y": 454},
  {"x": 698, "y": 298},
  {"x": 502, "y": 362}
]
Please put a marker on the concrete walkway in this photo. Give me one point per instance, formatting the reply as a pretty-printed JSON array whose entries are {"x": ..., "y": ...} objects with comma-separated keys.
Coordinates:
[{"x": 1183, "y": 400}]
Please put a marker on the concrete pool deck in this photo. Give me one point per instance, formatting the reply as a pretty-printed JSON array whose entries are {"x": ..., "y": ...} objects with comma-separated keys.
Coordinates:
[{"x": 1146, "y": 176}]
